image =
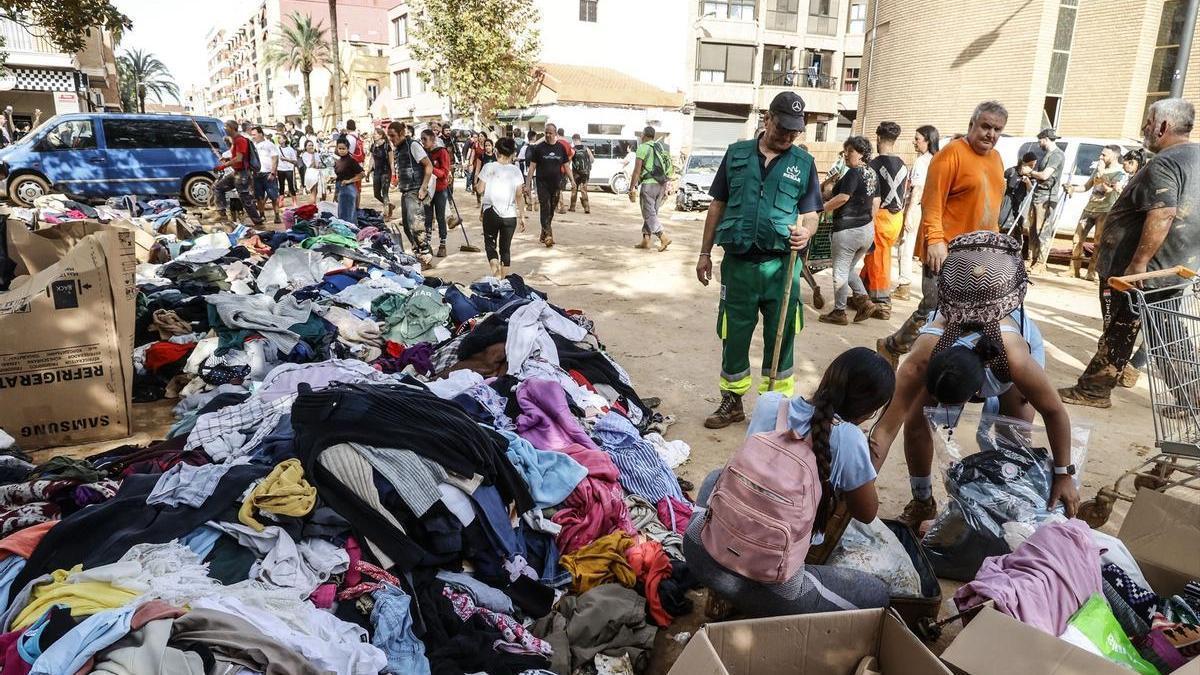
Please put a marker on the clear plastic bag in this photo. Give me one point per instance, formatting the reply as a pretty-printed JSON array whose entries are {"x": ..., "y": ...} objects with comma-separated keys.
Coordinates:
[
  {"x": 873, "y": 548},
  {"x": 1000, "y": 475}
]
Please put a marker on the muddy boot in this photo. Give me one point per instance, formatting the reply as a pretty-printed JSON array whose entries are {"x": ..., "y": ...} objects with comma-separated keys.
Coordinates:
[
  {"x": 918, "y": 511},
  {"x": 441, "y": 252},
  {"x": 645, "y": 245},
  {"x": 729, "y": 412},
  {"x": 902, "y": 292},
  {"x": 663, "y": 241},
  {"x": 893, "y": 358},
  {"x": 837, "y": 317},
  {"x": 1129, "y": 376},
  {"x": 818, "y": 300},
  {"x": 549, "y": 241},
  {"x": 1073, "y": 396},
  {"x": 883, "y": 310},
  {"x": 862, "y": 306}
]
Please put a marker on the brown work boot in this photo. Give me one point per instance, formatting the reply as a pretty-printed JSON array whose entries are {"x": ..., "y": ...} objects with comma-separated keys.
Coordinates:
[
  {"x": 645, "y": 243},
  {"x": 862, "y": 306},
  {"x": 729, "y": 412},
  {"x": 883, "y": 310},
  {"x": 893, "y": 359},
  {"x": 441, "y": 252},
  {"x": 837, "y": 317},
  {"x": 902, "y": 292},
  {"x": 918, "y": 511},
  {"x": 1073, "y": 396},
  {"x": 1129, "y": 376},
  {"x": 549, "y": 241},
  {"x": 663, "y": 241},
  {"x": 818, "y": 300}
]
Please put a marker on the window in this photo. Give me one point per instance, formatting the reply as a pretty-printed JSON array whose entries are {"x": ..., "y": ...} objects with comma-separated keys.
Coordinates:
[
  {"x": 1166, "y": 51},
  {"x": 70, "y": 135},
  {"x": 816, "y": 70},
  {"x": 777, "y": 66},
  {"x": 400, "y": 30},
  {"x": 372, "y": 91},
  {"x": 1086, "y": 155},
  {"x": 739, "y": 10},
  {"x": 851, "y": 69},
  {"x": 783, "y": 15},
  {"x": 821, "y": 132},
  {"x": 135, "y": 134},
  {"x": 602, "y": 149},
  {"x": 587, "y": 10},
  {"x": 605, "y": 129},
  {"x": 857, "y": 24},
  {"x": 402, "y": 83},
  {"x": 725, "y": 63},
  {"x": 1064, "y": 32},
  {"x": 822, "y": 17}
]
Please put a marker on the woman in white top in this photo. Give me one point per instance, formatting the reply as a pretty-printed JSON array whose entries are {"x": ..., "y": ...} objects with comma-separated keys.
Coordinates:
[
  {"x": 312, "y": 170},
  {"x": 925, "y": 142},
  {"x": 500, "y": 183},
  {"x": 287, "y": 168}
]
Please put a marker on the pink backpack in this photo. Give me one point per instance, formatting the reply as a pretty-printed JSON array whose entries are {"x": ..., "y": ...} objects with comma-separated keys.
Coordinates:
[{"x": 761, "y": 511}]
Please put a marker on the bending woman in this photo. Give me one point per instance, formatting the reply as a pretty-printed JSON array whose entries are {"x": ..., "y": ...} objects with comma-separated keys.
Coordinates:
[
  {"x": 978, "y": 344},
  {"x": 855, "y": 386}
]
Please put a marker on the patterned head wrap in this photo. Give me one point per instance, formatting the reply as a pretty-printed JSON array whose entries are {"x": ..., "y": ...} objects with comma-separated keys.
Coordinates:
[{"x": 982, "y": 281}]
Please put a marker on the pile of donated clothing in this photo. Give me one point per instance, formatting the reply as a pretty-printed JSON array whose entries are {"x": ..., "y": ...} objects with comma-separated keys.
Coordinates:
[{"x": 370, "y": 471}]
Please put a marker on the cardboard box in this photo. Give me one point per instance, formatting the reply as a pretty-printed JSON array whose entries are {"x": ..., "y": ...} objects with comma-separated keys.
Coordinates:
[
  {"x": 1163, "y": 534},
  {"x": 832, "y": 643},
  {"x": 66, "y": 359},
  {"x": 34, "y": 251}
]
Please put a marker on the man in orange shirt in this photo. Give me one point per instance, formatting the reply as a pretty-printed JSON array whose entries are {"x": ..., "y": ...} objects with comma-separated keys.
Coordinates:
[{"x": 963, "y": 192}]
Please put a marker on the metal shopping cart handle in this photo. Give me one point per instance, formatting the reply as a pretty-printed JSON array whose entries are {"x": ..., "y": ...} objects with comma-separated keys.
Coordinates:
[{"x": 1129, "y": 283}]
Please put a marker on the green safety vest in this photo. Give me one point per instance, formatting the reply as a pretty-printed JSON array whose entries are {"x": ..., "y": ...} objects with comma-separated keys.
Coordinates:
[{"x": 760, "y": 213}]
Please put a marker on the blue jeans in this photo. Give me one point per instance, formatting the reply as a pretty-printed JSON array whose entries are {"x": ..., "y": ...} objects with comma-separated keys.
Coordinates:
[{"x": 347, "y": 196}]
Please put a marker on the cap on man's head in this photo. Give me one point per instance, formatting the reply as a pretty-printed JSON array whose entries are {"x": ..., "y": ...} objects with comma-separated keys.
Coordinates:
[
  {"x": 1048, "y": 132},
  {"x": 787, "y": 108}
]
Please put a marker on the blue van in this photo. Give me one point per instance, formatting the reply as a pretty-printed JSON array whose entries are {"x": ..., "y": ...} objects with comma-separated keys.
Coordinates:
[{"x": 101, "y": 155}]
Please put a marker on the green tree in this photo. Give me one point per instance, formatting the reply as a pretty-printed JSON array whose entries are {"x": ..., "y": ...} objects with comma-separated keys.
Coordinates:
[
  {"x": 301, "y": 46},
  {"x": 480, "y": 54},
  {"x": 66, "y": 23},
  {"x": 140, "y": 73}
]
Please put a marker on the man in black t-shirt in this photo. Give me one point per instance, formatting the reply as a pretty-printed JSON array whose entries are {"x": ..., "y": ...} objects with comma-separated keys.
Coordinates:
[
  {"x": 546, "y": 161},
  {"x": 1154, "y": 225},
  {"x": 892, "y": 191}
]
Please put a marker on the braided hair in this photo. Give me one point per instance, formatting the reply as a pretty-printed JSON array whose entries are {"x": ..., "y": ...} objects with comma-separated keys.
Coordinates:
[{"x": 857, "y": 383}]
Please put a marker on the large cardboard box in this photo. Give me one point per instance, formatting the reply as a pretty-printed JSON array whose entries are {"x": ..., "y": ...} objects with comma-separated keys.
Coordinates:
[
  {"x": 66, "y": 356},
  {"x": 809, "y": 644},
  {"x": 34, "y": 250},
  {"x": 1163, "y": 534}
]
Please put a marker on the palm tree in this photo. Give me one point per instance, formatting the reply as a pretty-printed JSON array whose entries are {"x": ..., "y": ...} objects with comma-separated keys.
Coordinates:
[
  {"x": 141, "y": 73},
  {"x": 337, "y": 66},
  {"x": 301, "y": 46}
]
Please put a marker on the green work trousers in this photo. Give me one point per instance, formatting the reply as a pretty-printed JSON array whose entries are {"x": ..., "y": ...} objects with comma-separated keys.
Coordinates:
[{"x": 749, "y": 289}]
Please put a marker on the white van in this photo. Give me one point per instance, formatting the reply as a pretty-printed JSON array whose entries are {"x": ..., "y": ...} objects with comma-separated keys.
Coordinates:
[
  {"x": 1081, "y": 154},
  {"x": 609, "y": 170}
]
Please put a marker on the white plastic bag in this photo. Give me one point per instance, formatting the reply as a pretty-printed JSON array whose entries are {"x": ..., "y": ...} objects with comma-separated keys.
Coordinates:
[{"x": 873, "y": 548}]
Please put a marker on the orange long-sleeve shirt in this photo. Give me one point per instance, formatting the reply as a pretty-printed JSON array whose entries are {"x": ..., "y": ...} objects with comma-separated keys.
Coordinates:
[{"x": 962, "y": 194}]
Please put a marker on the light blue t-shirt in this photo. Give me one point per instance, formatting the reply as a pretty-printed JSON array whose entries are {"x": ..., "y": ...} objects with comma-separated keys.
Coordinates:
[
  {"x": 851, "y": 467},
  {"x": 992, "y": 386}
]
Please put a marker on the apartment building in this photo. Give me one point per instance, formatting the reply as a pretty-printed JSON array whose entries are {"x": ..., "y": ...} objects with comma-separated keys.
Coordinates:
[
  {"x": 42, "y": 77},
  {"x": 747, "y": 51},
  {"x": 1086, "y": 67},
  {"x": 245, "y": 86}
]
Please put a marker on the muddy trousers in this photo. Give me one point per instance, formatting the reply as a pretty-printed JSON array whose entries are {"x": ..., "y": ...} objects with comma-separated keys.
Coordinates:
[
  {"x": 750, "y": 289},
  {"x": 1116, "y": 344},
  {"x": 548, "y": 194},
  {"x": 902, "y": 340},
  {"x": 877, "y": 266}
]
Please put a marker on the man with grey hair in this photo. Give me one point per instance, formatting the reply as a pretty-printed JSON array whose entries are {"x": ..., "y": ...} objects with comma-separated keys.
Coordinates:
[
  {"x": 1154, "y": 225},
  {"x": 963, "y": 192}
]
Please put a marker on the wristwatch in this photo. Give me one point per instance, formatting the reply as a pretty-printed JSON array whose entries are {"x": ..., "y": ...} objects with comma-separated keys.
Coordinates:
[{"x": 1068, "y": 470}]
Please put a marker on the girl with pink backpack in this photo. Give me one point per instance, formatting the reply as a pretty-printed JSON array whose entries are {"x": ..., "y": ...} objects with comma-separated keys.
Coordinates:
[{"x": 760, "y": 513}]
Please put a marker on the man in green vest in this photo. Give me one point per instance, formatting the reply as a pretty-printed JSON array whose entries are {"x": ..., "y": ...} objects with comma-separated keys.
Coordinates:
[{"x": 766, "y": 201}]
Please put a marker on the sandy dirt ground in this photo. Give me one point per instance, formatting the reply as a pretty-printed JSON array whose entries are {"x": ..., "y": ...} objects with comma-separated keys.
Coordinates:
[{"x": 660, "y": 323}]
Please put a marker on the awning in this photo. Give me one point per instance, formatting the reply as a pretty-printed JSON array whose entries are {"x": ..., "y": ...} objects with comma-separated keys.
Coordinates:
[
  {"x": 43, "y": 79},
  {"x": 519, "y": 116}
]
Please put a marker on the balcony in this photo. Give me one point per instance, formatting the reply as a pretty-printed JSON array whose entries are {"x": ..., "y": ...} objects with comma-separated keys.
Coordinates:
[
  {"x": 27, "y": 49},
  {"x": 800, "y": 79}
]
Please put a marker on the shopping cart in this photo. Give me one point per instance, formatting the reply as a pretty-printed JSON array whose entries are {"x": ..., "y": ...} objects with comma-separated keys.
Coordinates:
[{"x": 1170, "y": 319}]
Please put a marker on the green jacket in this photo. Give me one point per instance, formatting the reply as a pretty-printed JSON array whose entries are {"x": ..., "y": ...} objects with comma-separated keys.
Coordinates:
[{"x": 760, "y": 213}]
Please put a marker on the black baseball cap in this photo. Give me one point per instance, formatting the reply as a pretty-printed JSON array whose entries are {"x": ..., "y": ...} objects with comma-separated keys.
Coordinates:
[
  {"x": 788, "y": 110},
  {"x": 1048, "y": 132}
]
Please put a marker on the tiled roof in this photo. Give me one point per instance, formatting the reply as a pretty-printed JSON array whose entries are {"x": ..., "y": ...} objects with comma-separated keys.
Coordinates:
[{"x": 595, "y": 84}]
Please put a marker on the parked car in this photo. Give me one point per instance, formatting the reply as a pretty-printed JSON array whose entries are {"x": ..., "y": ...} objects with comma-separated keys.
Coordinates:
[
  {"x": 696, "y": 178},
  {"x": 1080, "y": 157},
  {"x": 610, "y": 170},
  {"x": 101, "y": 155}
]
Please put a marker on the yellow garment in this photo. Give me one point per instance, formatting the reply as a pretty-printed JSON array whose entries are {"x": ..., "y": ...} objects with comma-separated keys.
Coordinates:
[
  {"x": 283, "y": 491},
  {"x": 600, "y": 562},
  {"x": 84, "y": 598}
]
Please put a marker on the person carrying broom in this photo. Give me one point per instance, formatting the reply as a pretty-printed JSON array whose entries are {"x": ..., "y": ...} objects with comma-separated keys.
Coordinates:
[{"x": 766, "y": 201}]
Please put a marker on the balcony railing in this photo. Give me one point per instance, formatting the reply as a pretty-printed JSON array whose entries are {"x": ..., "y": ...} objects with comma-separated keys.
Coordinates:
[
  {"x": 801, "y": 79},
  {"x": 17, "y": 38}
]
